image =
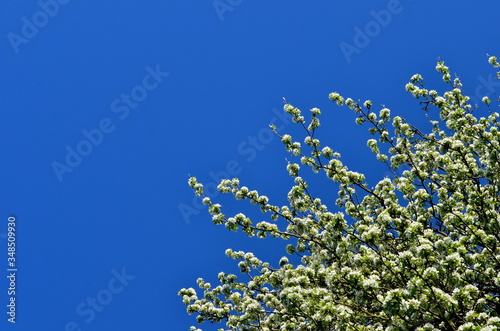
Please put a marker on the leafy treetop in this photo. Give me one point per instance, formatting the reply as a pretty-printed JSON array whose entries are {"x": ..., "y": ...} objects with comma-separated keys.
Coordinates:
[{"x": 423, "y": 251}]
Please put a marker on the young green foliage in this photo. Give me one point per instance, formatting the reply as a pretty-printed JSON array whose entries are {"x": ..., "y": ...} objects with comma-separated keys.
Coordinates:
[{"x": 423, "y": 252}]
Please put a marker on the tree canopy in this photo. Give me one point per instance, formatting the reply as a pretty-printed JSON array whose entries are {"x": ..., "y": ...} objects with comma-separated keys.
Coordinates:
[{"x": 417, "y": 251}]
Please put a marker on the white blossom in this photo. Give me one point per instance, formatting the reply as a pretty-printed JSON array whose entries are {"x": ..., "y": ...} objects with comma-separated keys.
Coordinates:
[{"x": 416, "y": 250}]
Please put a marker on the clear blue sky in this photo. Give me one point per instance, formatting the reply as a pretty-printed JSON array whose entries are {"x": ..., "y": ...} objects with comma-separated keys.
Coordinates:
[{"x": 107, "y": 107}]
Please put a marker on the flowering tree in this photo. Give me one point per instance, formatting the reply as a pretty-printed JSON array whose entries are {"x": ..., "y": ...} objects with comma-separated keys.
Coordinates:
[{"x": 420, "y": 251}]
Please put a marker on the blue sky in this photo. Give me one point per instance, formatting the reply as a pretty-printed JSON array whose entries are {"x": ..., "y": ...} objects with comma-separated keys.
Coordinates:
[{"x": 106, "y": 108}]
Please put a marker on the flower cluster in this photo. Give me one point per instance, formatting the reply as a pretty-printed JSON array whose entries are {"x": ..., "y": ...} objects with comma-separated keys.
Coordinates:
[{"x": 420, "y": 251}]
